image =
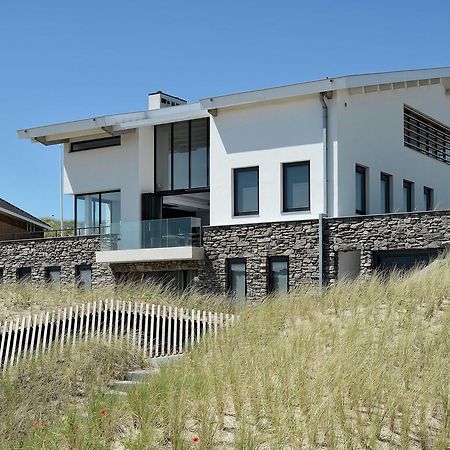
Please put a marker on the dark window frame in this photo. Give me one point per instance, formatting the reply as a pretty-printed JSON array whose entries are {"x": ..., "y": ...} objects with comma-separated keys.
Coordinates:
[
  {"x": 99, "y": 209},
  {"x": 173, "y": 191},
  {"x": 270, "y": 260},
  {"x": 284, "y": 171},
  {"x": 429, "y": 198},
  {"x": 230, "y": 261},
  {"x": 24, "y": 278},
  {"x": 92, "y": 144},
  {"x": 235, "y": 172},
  {"x": 48, "y": 269},
  {"x": 407, "y": 184},
  {"x": 363, "y": 171},
  {"x": 385, "y": 177},
  {"x": 2, "y": 274}
]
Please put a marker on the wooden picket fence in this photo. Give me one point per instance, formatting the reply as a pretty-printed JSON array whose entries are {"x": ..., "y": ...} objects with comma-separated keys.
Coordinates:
[{"x": 155, "y": 330}]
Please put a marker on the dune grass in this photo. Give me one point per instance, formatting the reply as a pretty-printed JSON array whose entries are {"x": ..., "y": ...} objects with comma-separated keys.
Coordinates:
[{"x": 361, "y": 366}]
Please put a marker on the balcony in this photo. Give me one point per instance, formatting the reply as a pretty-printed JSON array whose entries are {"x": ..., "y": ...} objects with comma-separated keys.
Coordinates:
[{"x": 151, "y": 240}]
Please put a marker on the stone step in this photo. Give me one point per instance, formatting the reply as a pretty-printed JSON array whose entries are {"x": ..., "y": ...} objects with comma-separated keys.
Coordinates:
[
  {"x": 123, "y": 385},
  {"x": 164, "y": 361},
  {"x": 141, "y": 374}
]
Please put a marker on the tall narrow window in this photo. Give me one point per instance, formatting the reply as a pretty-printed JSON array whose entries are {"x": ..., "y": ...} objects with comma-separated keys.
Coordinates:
[
  {"x": 296, "y": 186},
  {"x": 408, "y": 196},
  {"x": 53, "y": 274},
  {"x": 24, "y": 274},
  {"x": 385, "y": 193},
  {"x": 83, "y": 274},
  {"x": 428, "y": 197},
  {"x": 360, "y": 190},
  {"x": 163, "y": 156},
  {"x": 237, "y": 286},
  {"x": 246, "y": 191},
  {"x": 1, "y": 275},
  {"x": 278, "y": 274},
  {"x": 180, "y": 155}
]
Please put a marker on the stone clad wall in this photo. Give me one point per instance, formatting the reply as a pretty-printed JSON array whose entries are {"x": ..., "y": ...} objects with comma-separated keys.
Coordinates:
[
  {"x": 256, "y": 242},
  {"x": 67, "y": 252}
]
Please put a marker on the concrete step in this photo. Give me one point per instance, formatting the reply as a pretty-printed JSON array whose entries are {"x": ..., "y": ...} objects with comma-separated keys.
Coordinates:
[
  {"x": 123, "y": 385},
  {"x": 116, "y": 393},
  {"x": 164, "y": 361},
  {"x": 141, "y": 374}
]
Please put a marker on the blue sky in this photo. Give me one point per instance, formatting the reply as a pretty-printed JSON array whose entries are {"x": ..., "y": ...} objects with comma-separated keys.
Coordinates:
[{"x": 64, "y": 60}]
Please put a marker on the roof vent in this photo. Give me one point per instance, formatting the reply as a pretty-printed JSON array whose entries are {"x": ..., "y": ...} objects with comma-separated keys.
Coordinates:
[{"x": 159, "y": 99}]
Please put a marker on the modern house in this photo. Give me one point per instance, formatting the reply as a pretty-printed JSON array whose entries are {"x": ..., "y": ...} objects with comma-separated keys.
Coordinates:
[{"x": 259, "y": 191}]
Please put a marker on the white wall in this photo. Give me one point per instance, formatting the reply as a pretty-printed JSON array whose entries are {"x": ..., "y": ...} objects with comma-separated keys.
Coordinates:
[
  {"x": 265, "y": 135},
  {"x": 370, "y": 133}
]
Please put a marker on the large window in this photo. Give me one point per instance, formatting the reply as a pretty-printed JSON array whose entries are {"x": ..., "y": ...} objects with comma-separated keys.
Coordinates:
[
  {"x": 408, "y": 191},
  {"x": 97, "y": 213},
  {"x": 23, "y": 274},
  {"x": 360, "y": 190},
  {"x": 278, "y": 274},
  {"x": 385, "y": 185},
  {"x": 182, "y": 155},
  {"x": 95, "y": 143},
  {"x": 296, "y": 186},
  {"x": 237, "y": 285},
  {"x": 83, "y": 276},
  {"x": 426, "y": 135},
  {"x": 246, "y": 191},
  {"x": 428, "y": 198}
]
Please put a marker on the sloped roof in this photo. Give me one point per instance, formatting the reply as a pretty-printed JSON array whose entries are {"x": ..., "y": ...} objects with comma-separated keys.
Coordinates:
[{"x": 13, "y": 211}]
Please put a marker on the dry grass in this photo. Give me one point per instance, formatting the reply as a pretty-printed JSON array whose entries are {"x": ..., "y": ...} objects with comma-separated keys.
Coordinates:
[{"x": 362, "y": 365}]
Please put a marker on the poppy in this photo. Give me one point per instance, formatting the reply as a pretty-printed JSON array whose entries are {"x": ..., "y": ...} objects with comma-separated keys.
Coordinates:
[
  {"x": 103, "y": 412},
  {"x": 196, "y": 439},
  {"x": 38, "y": 426}
]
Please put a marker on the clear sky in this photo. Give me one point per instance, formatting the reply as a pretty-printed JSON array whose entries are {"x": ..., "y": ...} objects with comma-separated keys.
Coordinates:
[{"x": 66, "y": 60}]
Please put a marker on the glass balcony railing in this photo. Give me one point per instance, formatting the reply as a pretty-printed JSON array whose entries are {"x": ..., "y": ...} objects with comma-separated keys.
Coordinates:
[{"x": 160, "y": 233}]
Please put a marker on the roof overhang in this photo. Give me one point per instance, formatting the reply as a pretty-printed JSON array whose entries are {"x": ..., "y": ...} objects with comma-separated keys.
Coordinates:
[{"x": 37, "y": 222}]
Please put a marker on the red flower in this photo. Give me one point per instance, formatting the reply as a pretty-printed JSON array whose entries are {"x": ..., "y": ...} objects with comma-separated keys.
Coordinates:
[
  {"x": 196, "y": 439},
  {"x": 38, "y": 426},
  {"x": 103, "y": 412}
]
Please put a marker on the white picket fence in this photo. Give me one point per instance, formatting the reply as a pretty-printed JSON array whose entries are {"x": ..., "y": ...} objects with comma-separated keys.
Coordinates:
[{"x": 156, "y": 330}]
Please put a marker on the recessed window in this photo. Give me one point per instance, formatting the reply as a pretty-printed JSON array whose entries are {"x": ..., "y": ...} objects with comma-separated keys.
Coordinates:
[
  {"x": 426, "y": 135},
  {"x": 278, "y": 274},
  {"x": 408, "y": 195},
  {"x": 237, "y": 285},
  {"x": 1, "y": 275},
  {"x": 246, "y": 191},
  {"x": 23, "y": 274},
  {"x": 92, "y": 144},
  {"x": 53, "y": 274},
  {"x": 385, "y": 185},
  {"x": 428, "y": 197},
  {"x": 296, "y": 186},
  {"x": 83, "y": 274},
  {"x": 360, "y": 190}
]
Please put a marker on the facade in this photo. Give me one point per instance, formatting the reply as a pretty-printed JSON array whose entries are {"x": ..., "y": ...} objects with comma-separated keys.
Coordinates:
[{"x": 251, "y": 192}]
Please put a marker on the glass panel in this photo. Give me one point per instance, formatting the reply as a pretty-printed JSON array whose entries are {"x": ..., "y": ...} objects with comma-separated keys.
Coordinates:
[
  {"x": 24, "y": 274},
  {"x": 246, "y": 191},
  {"x": 181, "y": 155},
  {"x": 199, "y": 153},
  {"x": 385, "y": 194},
  {"x": 87, "y": 213},
  {"x": 1, "y": 275},
  {"x": 297, "y": 186},
  {"x": 360, "y": 191},
  {"x": 54, "y": 275},
  {"x": 237, "y": 279},
  {"x": 163, "y": 158},
  {"x": 110, "y": 212},
  {"x": 279, "y": 276},
  {"x": 407, "y": 196},
  {"x": 84, "y": 277}
]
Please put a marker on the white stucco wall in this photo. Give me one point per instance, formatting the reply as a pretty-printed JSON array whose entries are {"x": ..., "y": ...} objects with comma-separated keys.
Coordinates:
[
  {"x": 370, "y": 133},
  {"x": 265, "y": 135}
]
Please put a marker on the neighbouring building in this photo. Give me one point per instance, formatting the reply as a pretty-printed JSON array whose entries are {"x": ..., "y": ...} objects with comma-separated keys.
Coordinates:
[{"x": 256, "y": 192}]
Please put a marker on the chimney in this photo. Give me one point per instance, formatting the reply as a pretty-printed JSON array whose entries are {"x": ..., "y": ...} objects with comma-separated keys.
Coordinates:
[{"x": 159, "y": 99}]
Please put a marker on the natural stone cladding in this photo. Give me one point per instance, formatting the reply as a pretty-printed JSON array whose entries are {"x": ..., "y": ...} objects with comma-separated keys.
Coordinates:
[
  {"x": 256, "y": 243},
  {"x": 66, "y": 252}
]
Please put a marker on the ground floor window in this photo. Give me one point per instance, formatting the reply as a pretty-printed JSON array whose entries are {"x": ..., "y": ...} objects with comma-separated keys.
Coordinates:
[
  {"x": 83, "y": 275},
  {"x": 53, "y": 274},
  {"x": 236, "y": 279},
  {"x": 278, "y": 279},
  {"x": 1, "y": 275},
  {"x": 23, "y": 274},
  {"x": 387, "y": 261}
]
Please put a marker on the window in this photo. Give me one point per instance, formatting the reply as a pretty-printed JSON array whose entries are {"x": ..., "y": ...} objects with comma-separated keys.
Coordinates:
[
  {"x": 360, "y": 190},
  {"x": 426, "y": 135},
  {"x": 296, "y": 187},
  {"x": 428, "y": 196},
  {"x": 83, "y": 274},
  {"x": 385, "y": 193},
  {"x": 388, "y": 260},
  {"x": 95, "y": 143},
  {"x": 97, "y": 213},
  {"x": 1, "y": 275},
  {"x": 182, "y": 155},
  {"x": 408, "y": 196},
  {"x": 246, "y": 191},
  {"x": 237, "y": 285},
  {"x": 278, "y": 274},
  {"x": 53, "y": 274},
  {"x": 24, "y": 274}
]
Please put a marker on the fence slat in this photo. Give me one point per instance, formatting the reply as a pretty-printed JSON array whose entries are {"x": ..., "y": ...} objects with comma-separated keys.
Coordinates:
[
  {"x": 44, "y": 337},
  {"x": 105, "y": 319},
  {"x": 140, "y": 318},
  {"x": 8, "y": 343},
  {"x": 122, "y": 326},
  {"x": 198, "y": 325},
  {"x": 63, "y": 330},
  {"x": 99, "y": 319},
  {"x": 27, "y": 337},
  {"x": 203, "y": 323},
  {"x": 39, "y": 336},
  {"x": 152, "y": 329},
  {"x": 52, "y": 329},
  {"x": 75, "y": 325},
  {"x": 129, "y": 323},
  {"x": 192, "y": 327},
  {"x": 215, "y": 325},
  {"x": 110, "y": 321},
  {"x": 22, "y": 332},
  {"x": 145, "y": 330},
  {"x": 158, "y": 317},
  {"x": 14, "y": 345},
  {"x": 175, "y": 329},
  {"x": 163, "y": 331},
  {"x": 210, "y": 323},
  {"x": 116, "y": 323},
  {"x": 134, "y": 326},
  {"x": 169, "y": 330},
  {"x": 81, "y": 328},
  {"x": 181, "y": 322},
  {"x": 2, "y": 344}
]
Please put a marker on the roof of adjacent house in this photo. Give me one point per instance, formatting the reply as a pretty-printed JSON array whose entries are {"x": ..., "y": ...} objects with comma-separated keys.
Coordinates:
[
  {"x": 122, "y": 123},
  {"x": 10, "y": 210}
]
